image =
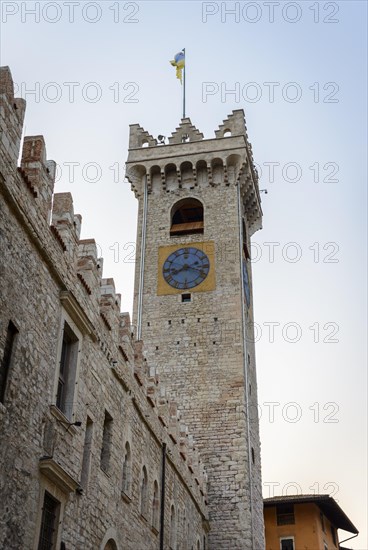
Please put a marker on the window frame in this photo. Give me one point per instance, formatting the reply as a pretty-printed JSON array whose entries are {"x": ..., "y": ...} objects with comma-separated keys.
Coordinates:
[
  {"x": 87, "y": 452},
  {"x": 126, "y": 474},
  {"x": 55, "y": 492},
  {"x": 186, "y": 227},
  {"x": 285, "y": 518},
  {"x": 156, "y": 506},
  {"x": 107, "y": 443},
  {"x": 55, "y": 521},
  {"x": 74, "y": 355},
  {"x": 143, "y": 493},
  {"x": 290, "y": 537},
  {"x": 7, "y": 359}
]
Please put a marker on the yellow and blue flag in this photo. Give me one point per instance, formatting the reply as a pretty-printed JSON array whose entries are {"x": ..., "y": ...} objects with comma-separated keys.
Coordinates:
[{"x": 179, "y": 63}]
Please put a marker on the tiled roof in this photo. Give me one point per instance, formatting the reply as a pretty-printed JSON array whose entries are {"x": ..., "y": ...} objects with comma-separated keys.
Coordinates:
[{"x": 327, "y": 505}]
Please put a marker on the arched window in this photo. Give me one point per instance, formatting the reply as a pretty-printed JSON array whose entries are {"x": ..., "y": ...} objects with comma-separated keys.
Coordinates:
[
  {"x": 172, "y": 528},
  {"x": 143, "y": 495},
  {"x": 155, "y": 506},
  {"x": 187, "y": 217},
  {"x": 110, "y": 545},
  {"x": 127, "y": 467}
]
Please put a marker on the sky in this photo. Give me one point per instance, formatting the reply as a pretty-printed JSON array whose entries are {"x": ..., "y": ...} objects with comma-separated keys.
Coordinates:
[{"x": 298, "y": 69}]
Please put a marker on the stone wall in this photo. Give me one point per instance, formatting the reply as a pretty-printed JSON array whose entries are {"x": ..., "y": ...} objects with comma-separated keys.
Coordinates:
[{"x": 52, "y": 291}]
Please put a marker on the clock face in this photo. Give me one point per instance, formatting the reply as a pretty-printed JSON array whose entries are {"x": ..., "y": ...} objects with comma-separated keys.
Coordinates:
[
  {"x": 246, "y": 284},
  {"x": 186, "y": 268}
]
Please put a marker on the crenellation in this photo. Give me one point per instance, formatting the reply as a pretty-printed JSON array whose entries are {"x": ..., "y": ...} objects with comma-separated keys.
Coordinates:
[
  {"x": 152, "y": 386},
  {"x": 126, "y": 341},
  {"x": 63, "y": 220},
  {"x": 140, "y": 138},
  {"x": 140, "y": 364},
  {"x": 174, "y": 424},
  {"x": 234, "y": 125},
  {"x": 225, "y": 160},
  {"x": 89, "y": 267},
  {"x": 185, "y": 132},
  {"x": 110, "y": 312},
  {"x": 40, "y": 172},
  {"x": 11, "y": 120},
  {"x": 163, "y": 406}
]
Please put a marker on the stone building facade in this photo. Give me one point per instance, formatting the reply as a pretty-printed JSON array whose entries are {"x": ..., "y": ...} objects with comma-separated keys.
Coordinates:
[
  {"x": 94, "y": 454},
  {"x": 199, "y": 204}
]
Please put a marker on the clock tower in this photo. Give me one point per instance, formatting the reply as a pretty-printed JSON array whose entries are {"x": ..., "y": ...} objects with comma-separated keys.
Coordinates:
[{"x": 199, "y": 204}]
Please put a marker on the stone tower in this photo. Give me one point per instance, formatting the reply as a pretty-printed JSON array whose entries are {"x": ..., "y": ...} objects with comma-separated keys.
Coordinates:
[{"x": 199, "y": 204}]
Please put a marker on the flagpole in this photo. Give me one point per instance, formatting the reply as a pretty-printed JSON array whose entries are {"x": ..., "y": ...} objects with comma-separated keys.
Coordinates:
[{"x": 184, "y": 84}]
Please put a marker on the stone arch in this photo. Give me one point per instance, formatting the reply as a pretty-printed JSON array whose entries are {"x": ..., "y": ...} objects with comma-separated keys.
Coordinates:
[
  {"x": 187, "y": 217},
  {"x": 187, "y": 176},
  {"x": 233, "y": 163},
  {"x": 136, "y": 175},
  {"x": 156, "y": 180},
  {"x": 217, "y": 171},
  {"x": 171, "y": 177},
  {"x": 202, "y": 173},
  {"x": 109, "y": 542}
]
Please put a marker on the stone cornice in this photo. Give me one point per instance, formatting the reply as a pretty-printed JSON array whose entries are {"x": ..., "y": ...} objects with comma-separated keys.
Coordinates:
[
  {"x": 55, "y": 473},
  {"x": 76, "y": 312}
]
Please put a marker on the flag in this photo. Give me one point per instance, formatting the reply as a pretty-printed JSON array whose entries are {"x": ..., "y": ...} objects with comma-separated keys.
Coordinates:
[{"x": 179, "y": 63}]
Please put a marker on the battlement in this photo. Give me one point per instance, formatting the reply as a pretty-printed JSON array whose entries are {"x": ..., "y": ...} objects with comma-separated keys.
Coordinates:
[
  {"x": 188, "y": 161},
  {"x": 51, "y": 224},
  {"x": 12, "y": 117}
]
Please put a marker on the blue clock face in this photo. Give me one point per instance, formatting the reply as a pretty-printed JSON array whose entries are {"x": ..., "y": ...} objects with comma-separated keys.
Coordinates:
[{"x": 186, "y": 268}]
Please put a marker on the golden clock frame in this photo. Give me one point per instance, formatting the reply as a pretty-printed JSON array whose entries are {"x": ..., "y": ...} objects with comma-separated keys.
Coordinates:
[{"x": 208, "y": 247}]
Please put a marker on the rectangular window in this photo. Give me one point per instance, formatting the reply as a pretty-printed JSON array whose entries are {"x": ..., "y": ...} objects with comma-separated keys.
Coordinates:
[
  {"x": 87, "y": 453},
  {"x": 285, "y": 514},
  {"x": 186, "y": 298},
  {"x": 67, "y": 371},
  {"x": 49, "y": 523},
  {"x": 106, "y": 443},
  {"x": 287, "y": 544},
  {"x": 7, "y": 357}
]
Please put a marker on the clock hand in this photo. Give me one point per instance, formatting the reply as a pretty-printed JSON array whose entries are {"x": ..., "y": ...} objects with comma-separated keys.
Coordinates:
[
  {"x": 176, "y": 271},
  {"x": 196, "y": 268}
]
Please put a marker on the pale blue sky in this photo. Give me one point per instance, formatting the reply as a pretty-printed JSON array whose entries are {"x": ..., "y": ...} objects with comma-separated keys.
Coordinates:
[{"x": 311, "y": 214}]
